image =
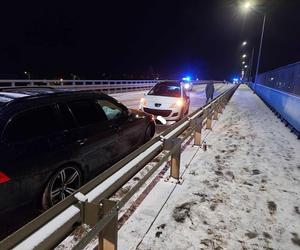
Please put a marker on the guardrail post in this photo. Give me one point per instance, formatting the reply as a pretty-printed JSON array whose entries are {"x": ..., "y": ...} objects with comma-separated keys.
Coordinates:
[
  {"x": 215, "y": 112},
  {"x": 175, "y": 162},
  {"x": 197, "y": 124},
  {"x": 209, "y": 119},
  {"x": 108, "y": 237},
  {"x": 92, "y": 213},
  {"x": 174, "y": 145},
  {"x": 220, "y": 108}
]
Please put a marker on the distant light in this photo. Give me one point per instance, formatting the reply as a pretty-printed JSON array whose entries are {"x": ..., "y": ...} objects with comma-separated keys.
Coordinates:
[
  {"x": 246, "y": 66},
  {"x": 244, "y": 43},
  {"x": 235, "y": 80},
  {"x": 243, "y": 62},
  {"x": 247, "y": 6},
  {"x": 25, "y": 72},
  {"x": 272, "y": 78},
  {"x": 244, "y": 56},
  {"x": 61, "y": 79},
  {"x": 187, "y": 78},
  {"x": 197, "y": 79}
]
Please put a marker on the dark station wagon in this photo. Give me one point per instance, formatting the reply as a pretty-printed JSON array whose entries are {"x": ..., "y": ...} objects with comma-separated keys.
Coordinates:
[{"x": 52, "y": 142}]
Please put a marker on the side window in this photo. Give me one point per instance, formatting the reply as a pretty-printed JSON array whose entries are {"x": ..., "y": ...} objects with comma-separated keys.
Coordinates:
[
  {"x": 33, "y": 123},
  {"x": 111, "y": 110},
  {"x": 87, "y": 112}
]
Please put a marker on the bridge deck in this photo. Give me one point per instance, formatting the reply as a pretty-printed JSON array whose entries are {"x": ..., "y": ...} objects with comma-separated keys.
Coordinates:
[{"x": 242, "y": 193}]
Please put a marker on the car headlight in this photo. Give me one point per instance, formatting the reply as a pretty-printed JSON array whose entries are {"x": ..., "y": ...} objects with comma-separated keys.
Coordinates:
[
  {"x": 143, "y": 101},
  {"x": 179, "y": 103},
  {"x": 187, "y": 86}
]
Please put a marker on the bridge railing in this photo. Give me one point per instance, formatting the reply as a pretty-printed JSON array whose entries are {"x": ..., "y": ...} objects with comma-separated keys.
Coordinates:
[
  {"x": 280, "y": 90},
  {"x": 91, "y": 204},
  {"x": 108, "y": 86}
]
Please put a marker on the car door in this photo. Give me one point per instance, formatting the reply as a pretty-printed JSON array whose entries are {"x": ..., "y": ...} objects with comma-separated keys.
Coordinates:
[
  {"x": 126, "y": 125},
  {"x": 95, "y": 138}
]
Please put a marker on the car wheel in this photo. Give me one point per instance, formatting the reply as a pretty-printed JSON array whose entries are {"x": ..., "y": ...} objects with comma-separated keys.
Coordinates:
[
  {"x": 148, "y": 134},
  {"x": 63, "y": 183}
]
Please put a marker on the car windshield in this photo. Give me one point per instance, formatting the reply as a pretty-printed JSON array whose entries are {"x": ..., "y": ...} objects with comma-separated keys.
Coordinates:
[{"x": 171, "y": 89}]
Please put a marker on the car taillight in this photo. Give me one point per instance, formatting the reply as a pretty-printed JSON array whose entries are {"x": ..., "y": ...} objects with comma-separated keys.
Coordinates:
[{"x": 3, "y": 178}]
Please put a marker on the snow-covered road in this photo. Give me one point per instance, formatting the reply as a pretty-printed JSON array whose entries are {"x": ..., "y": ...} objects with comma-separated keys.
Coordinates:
[{"x": 242, "y": 193}]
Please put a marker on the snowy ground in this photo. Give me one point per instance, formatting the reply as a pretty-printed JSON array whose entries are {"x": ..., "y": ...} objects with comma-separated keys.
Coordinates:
[{"x": 242, "y": 193}]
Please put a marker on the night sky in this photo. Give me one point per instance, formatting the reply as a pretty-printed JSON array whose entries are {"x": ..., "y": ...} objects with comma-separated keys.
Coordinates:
[{"x": 122, "y": 39}]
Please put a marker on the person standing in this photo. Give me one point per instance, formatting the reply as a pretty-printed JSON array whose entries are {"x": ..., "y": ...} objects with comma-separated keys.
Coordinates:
[{"x": 209, "y": 91}]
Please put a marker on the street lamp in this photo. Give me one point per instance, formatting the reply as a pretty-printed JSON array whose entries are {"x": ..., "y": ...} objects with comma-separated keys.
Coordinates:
[
  {"x": 244, "y": 43},
  {"x": 244, "y": 56},
  {"x": 27, "y": 74},
  {"x": 247, "y": 6}
]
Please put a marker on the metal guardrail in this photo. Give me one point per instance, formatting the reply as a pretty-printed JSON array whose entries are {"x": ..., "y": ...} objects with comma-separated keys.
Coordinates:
[
  {"x": 91, "y": 205},
  {"x": 107, "y": 86}
]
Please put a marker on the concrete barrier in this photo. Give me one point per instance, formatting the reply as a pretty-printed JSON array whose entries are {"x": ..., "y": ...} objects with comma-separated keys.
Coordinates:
[{"x": 287, "y": 105}]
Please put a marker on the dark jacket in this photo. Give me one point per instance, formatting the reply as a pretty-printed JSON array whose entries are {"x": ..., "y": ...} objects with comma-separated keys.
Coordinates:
[{"x": 209, "y": 89}]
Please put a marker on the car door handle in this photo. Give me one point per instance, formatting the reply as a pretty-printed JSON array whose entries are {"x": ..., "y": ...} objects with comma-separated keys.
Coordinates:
[{"x": 81, "y": 142}]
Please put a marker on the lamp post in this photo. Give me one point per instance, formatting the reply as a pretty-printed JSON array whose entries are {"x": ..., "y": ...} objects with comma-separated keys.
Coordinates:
[
  {"x": 247, "y": 7},
  {"x": 260, "y": 46}
]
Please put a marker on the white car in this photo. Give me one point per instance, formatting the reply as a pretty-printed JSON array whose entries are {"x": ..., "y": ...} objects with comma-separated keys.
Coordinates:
[{"x": 166, "y": 99}]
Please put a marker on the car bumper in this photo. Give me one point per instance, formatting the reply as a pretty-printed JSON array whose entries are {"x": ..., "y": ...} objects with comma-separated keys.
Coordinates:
[{"x": 171, "y": 114}]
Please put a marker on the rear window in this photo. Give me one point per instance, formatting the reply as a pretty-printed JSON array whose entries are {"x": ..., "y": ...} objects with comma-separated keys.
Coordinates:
[
  {"x": 33, "y": 123},
  {"x": 171, "y": 89}
]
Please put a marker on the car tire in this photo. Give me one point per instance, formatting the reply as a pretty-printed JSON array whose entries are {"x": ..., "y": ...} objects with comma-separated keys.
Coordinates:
[
  {"x": 148, "y": 134},
  {"x": 61, "y": 184}
]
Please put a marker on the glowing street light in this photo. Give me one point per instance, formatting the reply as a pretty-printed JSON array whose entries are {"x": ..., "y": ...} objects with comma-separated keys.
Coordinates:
[
  {"x": 247, "y": 6},
  {"x": 244, "y": 56},
  {"x": 27, "y": 74},
  {"x": 243, "y": 62},
  {"x": 246, "y": 66},
  {"x": 244, "y": 43}
]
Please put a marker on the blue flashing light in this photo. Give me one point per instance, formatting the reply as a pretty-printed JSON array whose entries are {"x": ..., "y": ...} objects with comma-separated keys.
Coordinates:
[{"x": 187, "y": 78}]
